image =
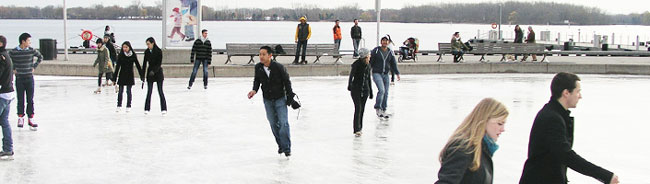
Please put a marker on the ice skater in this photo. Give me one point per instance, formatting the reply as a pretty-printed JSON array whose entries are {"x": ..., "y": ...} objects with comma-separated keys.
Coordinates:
[
  {"x": 103, "y": 64},
  {"x": 550, "y": 148},
  {"x": 467, "y": 156},
  {"x": 201, "y": 55},
  {"x": 24, "y": 66},
  {"x": 154, "y": 73},
  {"x": 124, "y": 74},
  {"x": 276, "y": 88},
  {"x": 360, "y": 88},
  {"x": 6, "y": 96},
  {"x": 178, "y": 22},
  {"x": 382, "y": 60}
]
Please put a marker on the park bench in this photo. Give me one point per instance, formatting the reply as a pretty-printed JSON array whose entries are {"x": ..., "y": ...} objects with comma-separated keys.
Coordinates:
[{"x": 252, "y": 50}]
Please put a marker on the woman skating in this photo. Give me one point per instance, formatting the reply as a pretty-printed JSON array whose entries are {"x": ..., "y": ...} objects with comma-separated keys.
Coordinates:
[
  {"x": 154, "y": 73},
  {"x": 360, "y": 88},
  {"x": 104, "y": 66},
  {"x": 124, "y": 74}
]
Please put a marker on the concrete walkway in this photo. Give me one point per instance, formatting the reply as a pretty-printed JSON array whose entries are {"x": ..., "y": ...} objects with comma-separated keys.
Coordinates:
[{"x": 81, "y": 65}]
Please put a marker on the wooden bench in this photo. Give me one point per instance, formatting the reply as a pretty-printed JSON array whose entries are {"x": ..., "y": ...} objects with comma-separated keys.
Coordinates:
[
  {"x": 444, "y": 48},
  {"x": 252, "y": 50},
  {"x": 508, "y": 48}
]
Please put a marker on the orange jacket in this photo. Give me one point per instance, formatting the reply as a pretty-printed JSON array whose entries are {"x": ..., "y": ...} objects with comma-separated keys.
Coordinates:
[{"x": 337, "y": 33}]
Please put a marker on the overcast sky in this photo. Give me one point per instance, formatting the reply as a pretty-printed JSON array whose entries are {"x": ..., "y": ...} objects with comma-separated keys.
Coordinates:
[{"x": 610, "y": 6}]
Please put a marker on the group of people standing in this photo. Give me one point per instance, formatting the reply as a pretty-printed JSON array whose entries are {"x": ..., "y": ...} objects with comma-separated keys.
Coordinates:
[
  {"x": 303, "y": 34},
  {"x": 118, "y": 68}
]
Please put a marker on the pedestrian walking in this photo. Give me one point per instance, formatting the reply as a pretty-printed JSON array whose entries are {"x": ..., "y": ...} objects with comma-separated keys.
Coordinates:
[
  {"x": 152, "y": 69},
  {"x": 360, "y": 88},
  {"x": 201, "y": 55},
  {"x": 124, "y": 74},
  {"x": 22, "y": 58}
]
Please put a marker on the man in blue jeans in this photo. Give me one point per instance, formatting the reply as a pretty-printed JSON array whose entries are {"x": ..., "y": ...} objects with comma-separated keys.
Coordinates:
[
  {"x": 277, "y": 88},
  {"x": 201, "y": 55},
  {"x": 6, "y": 95},
  {"x": 382, "y": 61},
  {"x": 22, "y": 58}
]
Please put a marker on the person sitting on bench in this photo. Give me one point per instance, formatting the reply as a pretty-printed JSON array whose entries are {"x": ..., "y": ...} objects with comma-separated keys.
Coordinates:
[{"x": 457, "y": 47}]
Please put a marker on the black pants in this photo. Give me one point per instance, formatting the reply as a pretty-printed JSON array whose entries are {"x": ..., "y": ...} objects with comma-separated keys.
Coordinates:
[
  {"x": 163, "y": 102},
  {"x": 99, "y": 78},
  {"x": 303, "y": 45},
  {"x": 359, "y": 107},
  {"x": 128, "y": 96}
]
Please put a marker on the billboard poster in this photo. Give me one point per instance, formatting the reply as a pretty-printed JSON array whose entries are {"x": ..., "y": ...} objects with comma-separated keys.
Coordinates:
[{"x": 181, "y": 22}]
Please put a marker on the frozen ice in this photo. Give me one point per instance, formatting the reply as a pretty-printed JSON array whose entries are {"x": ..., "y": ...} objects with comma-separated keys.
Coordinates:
[{"x": 219, "y": 136}]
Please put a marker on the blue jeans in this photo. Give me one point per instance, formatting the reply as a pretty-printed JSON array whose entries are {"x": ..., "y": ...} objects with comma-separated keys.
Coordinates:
[
  {"x": 197, "y": 63},
  {"x": 7, "y": 142},
  {"x": 337, "y": 43},
  {"x": 25, "y": 87},
  {"x": 382, "y": 81},
  {"x": 355, "y": 44},
  {"x": 301, "y": 46},
  {"x": 276, "y": 113}
]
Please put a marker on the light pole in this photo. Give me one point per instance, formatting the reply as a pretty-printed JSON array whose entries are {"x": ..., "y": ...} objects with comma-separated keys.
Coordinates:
[
  {"x": 500, "y": 16},
  {"x": 65, "y": 31},
  {"x": 378, "y": 10}
]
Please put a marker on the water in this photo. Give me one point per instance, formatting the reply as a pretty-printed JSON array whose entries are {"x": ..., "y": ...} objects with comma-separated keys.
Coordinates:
[
  {"x": 222, "y": 32},
  {"x": 220, "y": 136}
]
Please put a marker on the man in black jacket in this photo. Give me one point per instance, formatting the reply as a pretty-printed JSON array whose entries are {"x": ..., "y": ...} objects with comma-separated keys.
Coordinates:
[
  {"x": 201, "y": 55},
  {"x": 551, "y": 139},
  {"x": 355, "y": 32},
  {"x": 277, "y": 89}
]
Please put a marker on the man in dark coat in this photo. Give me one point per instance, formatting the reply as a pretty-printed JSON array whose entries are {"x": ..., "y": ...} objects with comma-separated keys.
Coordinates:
[
  {"x": 550, "y": 150},
  {"x": 276, "y": 88},
  {"x": 303, "y": 33}
]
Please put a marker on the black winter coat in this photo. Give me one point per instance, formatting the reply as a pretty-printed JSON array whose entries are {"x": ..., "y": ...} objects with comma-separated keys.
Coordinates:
[
  {"x": 153, "y": 58},
  {"x": 124, "y": 69},
  {"x": 355, "y": 32},
  {"x": 519, "y": 36},
  {"x": 550, "y": 149},
  {"x": 274, "y": 86},
  {"x": 359, "y": 80},
  {"x": 455, "y": 167},
  {"x": 6, "y": 73}
]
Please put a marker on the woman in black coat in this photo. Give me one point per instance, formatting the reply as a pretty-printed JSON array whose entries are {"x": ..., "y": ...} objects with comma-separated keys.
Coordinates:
[
  {"x": 124, "y": 73},
  {"x": 154, "y": 72},
  {"x": 360, "y": 88},
  {"x": 467, "y": 156}
]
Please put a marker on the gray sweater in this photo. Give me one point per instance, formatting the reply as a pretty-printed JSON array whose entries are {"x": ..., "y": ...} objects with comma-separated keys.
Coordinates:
[{"x": 23, "y": 60}]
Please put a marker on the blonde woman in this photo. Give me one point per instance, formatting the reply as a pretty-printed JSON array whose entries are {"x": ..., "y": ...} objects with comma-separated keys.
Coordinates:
[{"x": 467, "y": 156}]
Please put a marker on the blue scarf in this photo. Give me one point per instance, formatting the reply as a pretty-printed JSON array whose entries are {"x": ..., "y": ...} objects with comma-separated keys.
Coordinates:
[{"x": 491, "y": 145}]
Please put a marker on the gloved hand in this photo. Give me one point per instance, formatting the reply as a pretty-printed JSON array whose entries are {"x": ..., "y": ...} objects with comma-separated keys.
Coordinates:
[
  {"x": 151, "y": 74},
  {"x": 371, "y": 96},
  {"x": 349, "y": 88}
]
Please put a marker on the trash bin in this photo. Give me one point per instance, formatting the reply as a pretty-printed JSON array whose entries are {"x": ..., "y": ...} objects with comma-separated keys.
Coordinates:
[
  {"x": 47, "y": 48},
  {"x": 605, "y": 47},
  {"x": 567, "y": 45}
]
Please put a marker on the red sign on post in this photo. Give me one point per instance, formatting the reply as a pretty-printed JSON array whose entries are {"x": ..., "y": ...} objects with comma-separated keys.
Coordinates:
[{"x": 494, "y": 25}]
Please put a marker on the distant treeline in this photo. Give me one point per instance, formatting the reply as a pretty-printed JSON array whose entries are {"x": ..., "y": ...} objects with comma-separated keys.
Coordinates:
[{"x": 482, "y": 13}]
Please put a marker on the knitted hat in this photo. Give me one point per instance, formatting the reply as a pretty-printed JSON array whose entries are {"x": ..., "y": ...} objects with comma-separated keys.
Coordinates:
[{"x": 363, "y": 53}]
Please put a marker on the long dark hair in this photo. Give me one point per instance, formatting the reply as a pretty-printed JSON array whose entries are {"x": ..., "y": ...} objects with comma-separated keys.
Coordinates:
[
  {"x": 153, "y": 41},
  {"x": 4, "y": 43},
  {"x": 127, "y": 43}
]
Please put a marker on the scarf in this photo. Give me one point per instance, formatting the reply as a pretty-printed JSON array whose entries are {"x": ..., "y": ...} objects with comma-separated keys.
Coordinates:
[
  {"x": 491, "y": 146},
  {"x": 129, "y": 54}
]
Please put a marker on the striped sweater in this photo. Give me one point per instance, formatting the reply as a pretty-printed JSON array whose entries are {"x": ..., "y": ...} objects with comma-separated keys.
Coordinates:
[{"x": 23, "y": 60}]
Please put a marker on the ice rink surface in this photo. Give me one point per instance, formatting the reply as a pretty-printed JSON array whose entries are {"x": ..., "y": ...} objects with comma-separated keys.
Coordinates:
[{"x": 219, "y": 136}]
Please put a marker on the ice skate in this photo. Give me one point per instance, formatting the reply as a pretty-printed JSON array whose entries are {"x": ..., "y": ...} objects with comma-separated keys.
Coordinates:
[
  {"x": 21, "y": 122},
  {"x": 32, "y": 125}
]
